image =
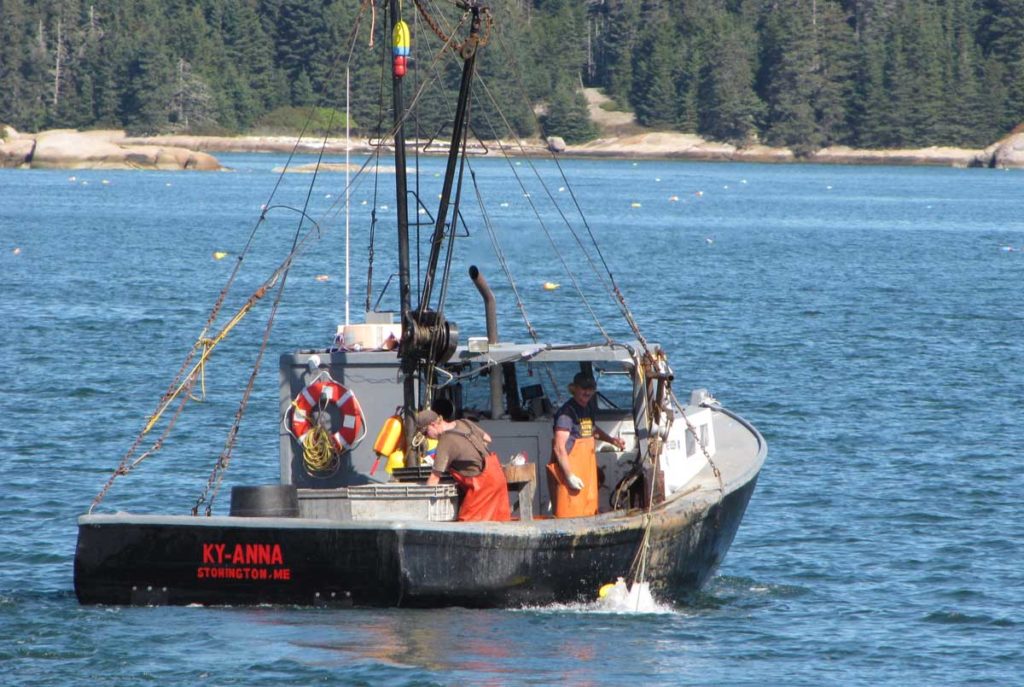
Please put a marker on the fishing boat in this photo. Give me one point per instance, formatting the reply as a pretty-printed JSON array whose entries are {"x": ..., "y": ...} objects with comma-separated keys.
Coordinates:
[{"x": 351, "y": 520}]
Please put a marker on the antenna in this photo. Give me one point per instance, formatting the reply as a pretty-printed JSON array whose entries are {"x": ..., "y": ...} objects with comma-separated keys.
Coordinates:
[{"x": 348, "y": 204}]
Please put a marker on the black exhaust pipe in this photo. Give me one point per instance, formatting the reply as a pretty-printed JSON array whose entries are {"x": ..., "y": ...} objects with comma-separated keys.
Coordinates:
[{"x": 491, "y": 310}]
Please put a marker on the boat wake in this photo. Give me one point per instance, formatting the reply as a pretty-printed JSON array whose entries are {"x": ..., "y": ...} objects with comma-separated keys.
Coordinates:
[
  {"x": 635, "y": 598},
  {"x": 617, "y": 599}
]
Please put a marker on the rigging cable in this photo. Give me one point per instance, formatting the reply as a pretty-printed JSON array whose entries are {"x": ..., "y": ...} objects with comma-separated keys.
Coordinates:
[
  {"x": 184, "y": 381},
  {"x": 613, "y": 289},
  {"x": 627, "y": 313},
  {"x": 487, "y": 220},
  {"x": 519, "y": 142},
  {"x": 489, "y": 223},
  {"x": 216, "y": 478}
]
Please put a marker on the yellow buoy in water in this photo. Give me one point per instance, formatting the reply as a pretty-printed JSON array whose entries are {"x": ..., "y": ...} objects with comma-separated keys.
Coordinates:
[
  {"x": 550, "y": 286},
  {"x": 219, "y": 255},
  {"x": 605, "y": 590}
]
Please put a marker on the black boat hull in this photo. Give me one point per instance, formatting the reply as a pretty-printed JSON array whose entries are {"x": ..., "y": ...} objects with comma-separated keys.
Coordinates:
[{"x": 153, "y": 560}]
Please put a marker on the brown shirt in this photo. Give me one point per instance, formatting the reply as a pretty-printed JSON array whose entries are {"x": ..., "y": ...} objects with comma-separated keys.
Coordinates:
[{"x": 462, "y": 449}]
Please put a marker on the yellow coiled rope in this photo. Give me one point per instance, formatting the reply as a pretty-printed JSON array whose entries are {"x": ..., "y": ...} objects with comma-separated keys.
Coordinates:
[{"x": 318, "y": 453}]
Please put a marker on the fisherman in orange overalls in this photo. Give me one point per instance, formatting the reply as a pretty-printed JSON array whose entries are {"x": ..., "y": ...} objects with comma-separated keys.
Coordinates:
[
  {"x": 572, "y": 472},
  {"x": 463, "y": 453}
]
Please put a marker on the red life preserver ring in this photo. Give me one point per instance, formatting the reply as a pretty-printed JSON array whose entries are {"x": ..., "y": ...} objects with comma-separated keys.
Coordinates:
[{"x": 351, "y": 430}]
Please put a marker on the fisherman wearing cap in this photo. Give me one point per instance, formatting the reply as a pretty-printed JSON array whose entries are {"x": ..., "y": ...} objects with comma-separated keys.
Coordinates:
[
  {"x": 572, "y": 472},
  {"x": 462, "y": 452}
]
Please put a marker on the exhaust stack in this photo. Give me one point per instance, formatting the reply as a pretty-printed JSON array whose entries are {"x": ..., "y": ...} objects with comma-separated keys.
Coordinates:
[{"x": 491, "y": 310}]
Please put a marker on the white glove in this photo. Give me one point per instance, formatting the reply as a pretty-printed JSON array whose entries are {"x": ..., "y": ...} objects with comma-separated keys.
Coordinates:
[{"x": 574, "y": 482}]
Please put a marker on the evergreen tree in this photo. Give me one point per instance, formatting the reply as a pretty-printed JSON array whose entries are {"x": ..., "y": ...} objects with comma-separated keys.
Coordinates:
[
  {"x": 568, "y": 116},
  {"x": 36, "y": 93},
  {"x": 869, "y": 114},
  {"x": 615, "y": 64},
  {"x": 730, "y": 109},
  {"x": 1003, "y": 32},
  {"x": 147, "y": 98},
  {"x": 13, "y": 23},
  {"x": 688, "y": 88},
  {"x": 655, "y": 69},
  {"x": 301, "y": 35},
  {"x": 963, "y": 116},
  {"x": 792, "y": 77},
  {"x": 922, "y": 59},
  {"x": 837, "y": 54},
  {"x": 103, "y": 59},
  {"x": 559, "y": 45},
  {"x": 802, "y": 73},
  {"x": 302, "y": 90}
]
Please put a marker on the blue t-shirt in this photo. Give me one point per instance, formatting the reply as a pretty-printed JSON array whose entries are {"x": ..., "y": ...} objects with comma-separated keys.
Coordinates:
[{"x": 577, "y": 419}]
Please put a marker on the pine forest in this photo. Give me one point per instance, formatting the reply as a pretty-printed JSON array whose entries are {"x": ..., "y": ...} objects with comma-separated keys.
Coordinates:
[{"x": 798, "y": 73}]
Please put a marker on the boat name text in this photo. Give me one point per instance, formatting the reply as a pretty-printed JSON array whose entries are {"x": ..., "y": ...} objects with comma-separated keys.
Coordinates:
[{"x": 242, "y": 562}]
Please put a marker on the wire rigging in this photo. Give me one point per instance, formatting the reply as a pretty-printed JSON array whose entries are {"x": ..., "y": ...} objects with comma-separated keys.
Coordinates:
[{"x": 185, "y": 379}]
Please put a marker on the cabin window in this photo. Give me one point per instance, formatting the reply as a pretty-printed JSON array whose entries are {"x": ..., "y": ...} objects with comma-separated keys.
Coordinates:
[
  {"x": 475, "y": 391},
  {"x": 543, "y": 387},
  {"x": 614, "y": 384}
]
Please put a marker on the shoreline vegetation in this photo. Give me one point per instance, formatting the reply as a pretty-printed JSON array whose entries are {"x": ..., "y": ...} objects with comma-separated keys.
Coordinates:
[
  {"x": 113, "y": 149},
  {"x": 893, "y": 81},
  {"x": 619, "y": 138}
]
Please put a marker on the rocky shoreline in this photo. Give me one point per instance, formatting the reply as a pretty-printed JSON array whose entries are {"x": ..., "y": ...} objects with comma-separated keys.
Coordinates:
[
  {"x": 68, "y": 149},
  {"x": 1007, "y": 153},
  {"x": 101, "y": 149}
]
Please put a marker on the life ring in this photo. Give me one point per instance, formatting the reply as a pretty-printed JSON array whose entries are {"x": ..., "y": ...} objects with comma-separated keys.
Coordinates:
[{"x": 351, "y": 430}]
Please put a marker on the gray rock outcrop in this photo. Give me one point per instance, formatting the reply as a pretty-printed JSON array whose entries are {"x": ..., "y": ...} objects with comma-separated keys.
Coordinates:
[
  {"x": 556, "y": 144},
  {"x": 1005, "y": 154},
  {"x": 70, "y": 149},
  {"x": 15, "y": 152}
]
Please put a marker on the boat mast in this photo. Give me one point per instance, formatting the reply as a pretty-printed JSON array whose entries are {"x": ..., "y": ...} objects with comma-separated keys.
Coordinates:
[
  {"x": 427, "y": 337},
  {"x": 468, "y": 53},
  {"x": 400, "y": 40},
  {"x": 348, "y": 192}
]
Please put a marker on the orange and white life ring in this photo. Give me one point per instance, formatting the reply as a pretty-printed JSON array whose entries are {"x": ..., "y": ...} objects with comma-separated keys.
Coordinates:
[{"x": 329, "y": 391}]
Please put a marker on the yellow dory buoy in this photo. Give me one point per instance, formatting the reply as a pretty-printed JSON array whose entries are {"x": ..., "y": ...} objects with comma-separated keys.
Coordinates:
[
  {"x": 618, "y": 587},
  {"x": 395, "y": 460},
  {"x": 551, "y": 286},
  {"x": 219, "y": 255}
]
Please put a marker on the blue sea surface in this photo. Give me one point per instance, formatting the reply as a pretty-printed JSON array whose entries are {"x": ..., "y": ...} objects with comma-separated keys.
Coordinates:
[{"x": 868, "y": 320}]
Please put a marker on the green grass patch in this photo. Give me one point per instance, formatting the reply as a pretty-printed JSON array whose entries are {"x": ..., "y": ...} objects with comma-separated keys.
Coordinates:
[
  {"x": 612, "y": 106},
  {"x": 290, "y": 121}
]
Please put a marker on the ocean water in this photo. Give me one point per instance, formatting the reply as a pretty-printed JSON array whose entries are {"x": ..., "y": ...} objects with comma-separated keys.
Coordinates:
[{"x": 868, "y": 320}]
